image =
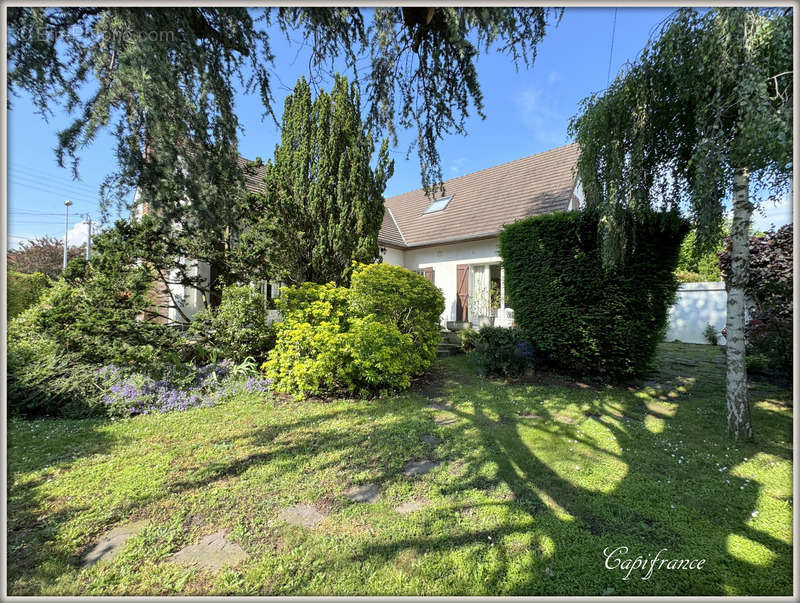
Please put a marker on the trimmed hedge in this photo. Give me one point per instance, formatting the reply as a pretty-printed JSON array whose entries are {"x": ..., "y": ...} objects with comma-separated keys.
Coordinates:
[{"x": 582, "y": 318}]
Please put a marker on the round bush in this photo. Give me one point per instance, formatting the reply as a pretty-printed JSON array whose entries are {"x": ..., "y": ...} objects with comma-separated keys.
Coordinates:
[
  {"x": 238, "y": 326},
  {"x": 405, "y": 299},
  {"x": 375, "y": 336}
]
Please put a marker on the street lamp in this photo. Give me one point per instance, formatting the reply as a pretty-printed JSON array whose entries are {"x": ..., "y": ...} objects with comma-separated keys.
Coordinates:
[{"x": 67, "y": 203}]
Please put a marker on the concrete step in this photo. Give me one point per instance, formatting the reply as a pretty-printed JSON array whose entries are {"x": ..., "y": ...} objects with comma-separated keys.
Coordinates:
[
  {"x": 450, "y": 337},
  {"x": 447, "y": 349}
]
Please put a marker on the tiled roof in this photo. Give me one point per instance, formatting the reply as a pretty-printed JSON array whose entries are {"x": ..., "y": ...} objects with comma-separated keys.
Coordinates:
[
  {"x": 486, "y": 200},
  {"x": 253, "y": 179},
  {"x": 389, "y": 232}
]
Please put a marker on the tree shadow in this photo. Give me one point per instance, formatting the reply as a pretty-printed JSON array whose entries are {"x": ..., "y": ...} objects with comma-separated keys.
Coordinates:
[{"x": 635, "y": 512}]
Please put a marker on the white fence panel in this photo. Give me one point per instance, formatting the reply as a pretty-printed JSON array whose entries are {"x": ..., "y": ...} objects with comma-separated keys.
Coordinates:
[{"x": 697, "y": 305}]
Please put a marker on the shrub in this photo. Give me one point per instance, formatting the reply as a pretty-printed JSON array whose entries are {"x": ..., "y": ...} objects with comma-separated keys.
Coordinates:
[
  {"x": 43, "y": 380},
  {"x": 501, "y": 351},
  {"x": 710, "y": 333},
  {"x": 468, "y": 336},
  {"x": 756, "y": 364},
  {"x": 399, "y": 297},
  {"x": 24, "y": 290},
  {"x": 582, "y": 317},
  {"x": 378, "y": 357},
  {"x": 373, "y": 337},
  {"x": 769, "y": 289},
  {"x": 308, "y": 340},
  {"x": 238, "y": 328},
  {"x": 99, "y": 318}
]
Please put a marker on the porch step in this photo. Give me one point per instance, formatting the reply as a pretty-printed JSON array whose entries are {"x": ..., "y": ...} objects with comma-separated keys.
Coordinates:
[
  {"x": 447, "y": 349},
  {"x": 450, "y": 337}
]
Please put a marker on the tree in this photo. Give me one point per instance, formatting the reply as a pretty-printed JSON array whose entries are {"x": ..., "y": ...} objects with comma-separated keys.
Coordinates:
[
  {"x": 164, "y": 81},
  {"x": 43, "y": 254},
  {"x": 322, "y": 206},
  {"x": 165, "y": 77},
  {"x": 697, "y": 264},
  {"x": 769, "y": 290},
  {"x": 703, "y": 115}
]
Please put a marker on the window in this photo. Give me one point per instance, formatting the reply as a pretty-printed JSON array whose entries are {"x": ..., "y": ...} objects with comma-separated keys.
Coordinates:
[{"x": 438, "y": 204}]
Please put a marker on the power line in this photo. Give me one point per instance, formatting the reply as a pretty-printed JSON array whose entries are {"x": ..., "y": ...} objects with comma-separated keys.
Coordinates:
[
  {"x": 611, "y": 53},
  {"x": 60, "y": 191},
  {"x": 77, "y": 187}
]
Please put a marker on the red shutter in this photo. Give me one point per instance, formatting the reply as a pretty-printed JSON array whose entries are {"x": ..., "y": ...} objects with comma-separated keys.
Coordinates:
[
  {"x": 429, "y": 274},
  {"x": 462, "y": 291}
]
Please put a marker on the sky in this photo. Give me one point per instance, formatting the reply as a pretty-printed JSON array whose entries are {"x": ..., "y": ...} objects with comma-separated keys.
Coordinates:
[{"x": 527, "y": 111}]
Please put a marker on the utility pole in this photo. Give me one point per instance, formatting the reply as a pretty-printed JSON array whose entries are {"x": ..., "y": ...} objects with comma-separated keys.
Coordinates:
[
  {"x": 67, "y": 203},
  {"x": 89, "y": 237}
]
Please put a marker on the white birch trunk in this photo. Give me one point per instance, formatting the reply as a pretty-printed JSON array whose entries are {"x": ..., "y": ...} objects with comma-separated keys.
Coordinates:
[{"x": 738, "y": 409}]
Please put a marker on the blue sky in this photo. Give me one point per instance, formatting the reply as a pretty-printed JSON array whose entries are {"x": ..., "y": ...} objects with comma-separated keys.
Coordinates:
[{"x": 526, "y": 112}]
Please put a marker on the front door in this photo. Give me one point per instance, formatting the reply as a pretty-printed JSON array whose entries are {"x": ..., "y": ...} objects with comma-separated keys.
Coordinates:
[{"x": 462, "y": 291}]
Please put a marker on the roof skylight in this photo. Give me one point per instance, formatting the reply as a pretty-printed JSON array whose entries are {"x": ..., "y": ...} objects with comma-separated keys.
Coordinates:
[{"x": 438, "y": 204}]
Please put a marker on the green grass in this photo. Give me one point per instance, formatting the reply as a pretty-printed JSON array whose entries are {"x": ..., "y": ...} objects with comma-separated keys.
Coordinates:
[{"x": 517, "y": 506}]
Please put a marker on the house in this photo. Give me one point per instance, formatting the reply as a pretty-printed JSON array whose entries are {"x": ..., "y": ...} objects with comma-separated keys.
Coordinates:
[{"x": 453, "y": 240}]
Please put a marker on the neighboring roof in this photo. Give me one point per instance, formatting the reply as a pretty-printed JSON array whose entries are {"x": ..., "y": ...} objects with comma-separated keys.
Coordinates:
[
  {"x": 484, "y": 201},
  {"x": 253, "y": 179}
]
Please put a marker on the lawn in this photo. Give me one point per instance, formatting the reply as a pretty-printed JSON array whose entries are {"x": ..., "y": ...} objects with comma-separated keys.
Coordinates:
[{"x": 534, "y": 480}]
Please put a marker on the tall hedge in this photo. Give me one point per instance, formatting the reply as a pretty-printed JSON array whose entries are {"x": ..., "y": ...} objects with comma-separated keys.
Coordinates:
[{"x": 582, "y": 318}]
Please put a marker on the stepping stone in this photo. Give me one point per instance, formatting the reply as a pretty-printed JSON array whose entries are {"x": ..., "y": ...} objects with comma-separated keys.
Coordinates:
[
  {"x": 445, "y": 420},
  {"x": 367, "y": 493},
  {"x": 432, "y": 440},
  {"x": 565, "y": 419},
  {"x": 111, "y": 543},
  {"x": 409, "y": 507},
  {"x": 301, "y": 515},
  {"x": 519, "y": 416},
  {"x": 418, "y": 467},
  {"x": 653, "y": 384},
  {"x": 213, "y": 552},
  {"x": 438, "y": 406}
]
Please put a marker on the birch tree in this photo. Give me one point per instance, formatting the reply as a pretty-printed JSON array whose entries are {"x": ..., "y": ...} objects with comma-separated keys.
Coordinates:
[{"x": 702, "y": 119}]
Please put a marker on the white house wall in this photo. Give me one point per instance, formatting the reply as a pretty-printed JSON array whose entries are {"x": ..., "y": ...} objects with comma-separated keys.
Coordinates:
[
  {"x": 444, "y": 259},
  {"x": 395, "y": 257}
]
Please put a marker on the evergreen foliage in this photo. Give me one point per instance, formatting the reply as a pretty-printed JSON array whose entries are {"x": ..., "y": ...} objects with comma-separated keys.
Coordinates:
[
  {"x": 322, "y": 206},
  {"x": 581, "y": 317},
  {"x": 23, "y": 291},
  {"x": 164, "y": 80},
  {"x": 238, "y": 328}
]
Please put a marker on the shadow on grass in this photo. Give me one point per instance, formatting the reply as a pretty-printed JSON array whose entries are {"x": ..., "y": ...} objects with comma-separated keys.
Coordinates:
[
  {"x": 636, "y": 512},
  {"x": 642, "y": 510}
]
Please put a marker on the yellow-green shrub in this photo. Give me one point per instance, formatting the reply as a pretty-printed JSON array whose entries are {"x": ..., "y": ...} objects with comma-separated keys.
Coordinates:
[{"x": 373, "y": 337}]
